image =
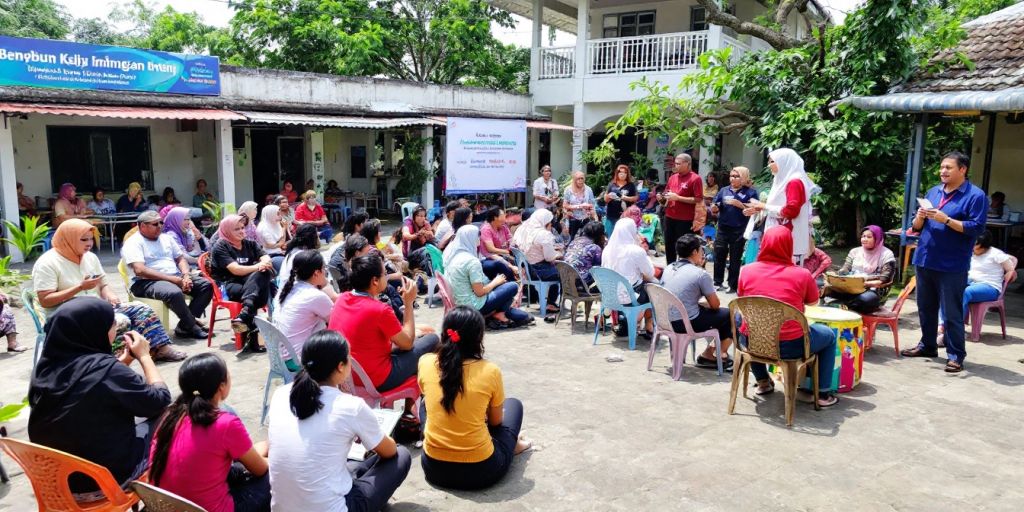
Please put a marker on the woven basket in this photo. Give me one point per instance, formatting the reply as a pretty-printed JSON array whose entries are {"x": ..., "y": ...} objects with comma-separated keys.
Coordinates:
[{"x": 846, "y": 284}]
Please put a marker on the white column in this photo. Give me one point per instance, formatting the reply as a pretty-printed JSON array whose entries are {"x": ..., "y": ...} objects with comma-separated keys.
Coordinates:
[
  {"x": 715, "y": 37},
  {"x": 316, "y": 161},
  {"x": 535, "y": 41},
  {"x": 225, "y": 162},
  {"x": 579, "y": 137},
  {"x": 427, "y": 159},
  {"x": 9, "y": 183},
  {"x": 707, "y": 155}
]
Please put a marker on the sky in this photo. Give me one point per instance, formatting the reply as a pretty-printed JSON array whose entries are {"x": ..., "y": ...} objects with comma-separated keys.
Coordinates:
[{"x": 217, "y": 13}]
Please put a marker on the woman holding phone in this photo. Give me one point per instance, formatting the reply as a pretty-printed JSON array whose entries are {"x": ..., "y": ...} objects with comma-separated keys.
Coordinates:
[
  {"x": 728, "y": 204},
  {"x": 619, "y": 195}
]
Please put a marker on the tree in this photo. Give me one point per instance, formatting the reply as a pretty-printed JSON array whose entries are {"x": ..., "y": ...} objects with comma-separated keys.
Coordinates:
[{"x": 33, "y": 18}]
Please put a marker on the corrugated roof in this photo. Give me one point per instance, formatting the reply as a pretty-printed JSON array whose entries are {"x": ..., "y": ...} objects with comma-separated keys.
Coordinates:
[
  {"x": 336, "y": 121},
  {"x": 1006, "y": 100},
  {"x": 119, "y": 112}
]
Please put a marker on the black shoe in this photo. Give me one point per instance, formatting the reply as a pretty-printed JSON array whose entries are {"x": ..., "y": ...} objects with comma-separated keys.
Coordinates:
[
  {"x": 253, "y": 343},
  {"x": 196, "y": 333},
  {"x": 919, "y": 352}
]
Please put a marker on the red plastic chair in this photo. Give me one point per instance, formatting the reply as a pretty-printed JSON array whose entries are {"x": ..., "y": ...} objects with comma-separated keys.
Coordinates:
[
  {"x": 445, "y": 291},
  {"x": 220, "y": 300},
  {"x": 359, "y": 384},
  {"x": 888, "y": 317},
  {"x": 977, "y": 310}
]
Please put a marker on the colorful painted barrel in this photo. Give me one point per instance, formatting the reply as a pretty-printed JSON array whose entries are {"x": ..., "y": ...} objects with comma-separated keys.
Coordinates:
[{"x": 848, "y": 329}]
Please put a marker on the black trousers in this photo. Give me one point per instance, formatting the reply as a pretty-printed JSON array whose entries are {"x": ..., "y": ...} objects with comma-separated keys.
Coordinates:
[
  {"x": 575, "y": 225},
  {"x": 170, "y": 294},
  {"x": 729, "y": 244},
  {"x": 374, "y": 480},
  {"x": 252, "y": 290},
  {"x": 673, "y": 230},
  {"x": 864, "y": 303},
  {"x": 483, "y": 474}
]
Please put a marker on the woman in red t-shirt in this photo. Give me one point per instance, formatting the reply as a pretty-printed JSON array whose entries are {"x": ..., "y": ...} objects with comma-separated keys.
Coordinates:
[
  {"x": 310, "y": 212},
  {"x": 775, "y": 275}
]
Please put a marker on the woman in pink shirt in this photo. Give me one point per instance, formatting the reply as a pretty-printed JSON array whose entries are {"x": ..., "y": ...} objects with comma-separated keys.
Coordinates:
[
  {"x": 203, "y": 453},
  {"x": 494, "y": 240}
]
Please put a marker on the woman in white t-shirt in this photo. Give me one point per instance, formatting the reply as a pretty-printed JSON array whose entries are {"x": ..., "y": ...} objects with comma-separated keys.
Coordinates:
[
  {"x": 304, "y": 303},
  {"x": 312, "y": 427},
  {"x": 989, "y": 266}
]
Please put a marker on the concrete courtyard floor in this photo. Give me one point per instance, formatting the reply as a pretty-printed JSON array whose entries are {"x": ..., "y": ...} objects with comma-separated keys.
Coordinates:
[{"x": 614, "y": 436}]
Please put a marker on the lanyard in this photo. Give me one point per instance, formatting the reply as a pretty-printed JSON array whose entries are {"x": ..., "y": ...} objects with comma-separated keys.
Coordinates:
[{"x": 946, "y": 199}]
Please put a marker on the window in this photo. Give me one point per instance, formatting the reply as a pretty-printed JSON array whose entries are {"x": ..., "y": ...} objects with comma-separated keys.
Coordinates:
[
  {"x": 358, "y": 160},
  {"x": 629, "y": 24},
  {"x": 698, "y": 19},
  {"x": 99, "y": 156}
]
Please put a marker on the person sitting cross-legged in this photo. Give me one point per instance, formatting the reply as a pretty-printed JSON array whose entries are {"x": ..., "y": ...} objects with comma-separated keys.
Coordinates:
[
  {"x": 471, "y": 287},
  {"x": 159, "y": 270},
  {"x": 245, "y": 272},
  {"x": 386, "y": 348}
]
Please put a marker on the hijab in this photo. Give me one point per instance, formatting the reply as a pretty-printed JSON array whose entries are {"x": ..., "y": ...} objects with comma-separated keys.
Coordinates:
[
  {"x": 875, "y": 257},
  {"x": 67, "y": 192},
  {"x": 133, "y": 189},
  {"x": 464, "y": 245},
  {"x": 67, "y": 236},
  {"x": 633, "y": 212},
  {"x": 777, "y": 246},
  {"x": 76, "y": 357},
  {"x": 269, "y": 228},
  {"x": 623, "y": 238},
  {"x": 525, "y": 236},
  {"x": 248, "y": 206},
  {"x": 226, "y": 228},
  {"x": 791, "y": 167},
  {"x": 174, "y": 223}
]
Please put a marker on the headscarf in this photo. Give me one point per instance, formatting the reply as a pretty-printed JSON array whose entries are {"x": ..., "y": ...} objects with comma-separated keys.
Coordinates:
[
  {"x": 165, "y": 210},
  {"x": 633, "y": 212},
  {"x": 76, "y": 357},
  {"x": 791, "y": 167},
  {"x": 624, "y": 236},
  {"x": 464, "y": 245},
  {"x": 67, "y": 192},
  {"x": 226, "y": 228},
  {"x": 174, "y": 223},
  {"x": 65, "y": 239},
  {"x": 777, "y": 246},
  {"x": 525, "y": 236},
  {"x": 269, "y": 228},
  {"x": 133, "y": 189},
  {"x": 247, "y": 207},
  {"x": 875, "y": 257}
]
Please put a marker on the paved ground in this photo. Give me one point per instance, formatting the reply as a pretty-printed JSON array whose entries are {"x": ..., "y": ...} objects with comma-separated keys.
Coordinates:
[{"x": 613, "y": 436}]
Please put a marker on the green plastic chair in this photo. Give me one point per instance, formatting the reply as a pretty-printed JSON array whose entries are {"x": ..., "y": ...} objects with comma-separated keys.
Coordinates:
[
  {"x": 609, "y": 282},
  {"x": 29, "y": 299},
  {"x": 436, "y": 267}
]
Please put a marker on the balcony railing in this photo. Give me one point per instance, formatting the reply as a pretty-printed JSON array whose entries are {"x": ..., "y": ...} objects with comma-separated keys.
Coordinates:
[
  {"x": 557, "y": 62},
  {"x": 620, "y": 55}
]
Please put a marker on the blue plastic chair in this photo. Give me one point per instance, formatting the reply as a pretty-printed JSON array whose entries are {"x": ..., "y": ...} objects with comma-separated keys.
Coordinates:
[
  {"x": 609, "y": 281},
  {"x": 48, "y": 240},
  {"x": 28, "y": 298},
  {"x": 275, "y": 340},
  {"x": 528, "y": 280}
]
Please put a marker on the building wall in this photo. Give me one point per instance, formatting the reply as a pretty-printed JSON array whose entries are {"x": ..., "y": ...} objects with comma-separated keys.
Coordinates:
[
  {"x": 671, "y": 16},
  {"x": 1007, "y": 154}
]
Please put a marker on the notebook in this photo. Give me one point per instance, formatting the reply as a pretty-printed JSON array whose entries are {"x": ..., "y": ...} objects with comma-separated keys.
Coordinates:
[{"x": 388, "y": 420}]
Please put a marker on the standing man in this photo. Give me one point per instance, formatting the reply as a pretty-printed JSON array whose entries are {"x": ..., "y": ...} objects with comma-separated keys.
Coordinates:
[
  {"x": 158, "y": 270},
  {"x": 948, "y": 230},
  {"x": 683, "y": 191},
  {"x": 545, "y": 189},
  {"x": 729, "y": 204}
]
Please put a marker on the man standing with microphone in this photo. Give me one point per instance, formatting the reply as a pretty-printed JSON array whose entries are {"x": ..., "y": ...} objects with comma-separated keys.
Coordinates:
[
  {"x": 684, "y": 190},
  {"x": 950, "y": 218}
]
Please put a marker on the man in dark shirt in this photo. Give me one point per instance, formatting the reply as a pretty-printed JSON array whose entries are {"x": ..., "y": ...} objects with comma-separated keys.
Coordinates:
[{"x": 948, "y": 229}]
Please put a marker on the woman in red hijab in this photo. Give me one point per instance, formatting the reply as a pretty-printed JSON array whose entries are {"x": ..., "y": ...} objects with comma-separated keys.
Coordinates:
[{"x": 775, "y": 275}]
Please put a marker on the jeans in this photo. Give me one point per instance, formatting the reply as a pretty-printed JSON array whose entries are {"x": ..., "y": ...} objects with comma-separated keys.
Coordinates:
[
  {"x": 674, "y": 229},
  {"x": 326, "y": 232},
  {"x": 494, "y": 267},
  {"x": 375, "y": 479},
  {"x": 483, "y": 474},
  {"x": 546, "y": 271},
  {"x": 500, "y": 300},
  {"x": 729, "y": 244},
  {"x": 823, "y": 343},
  {"x": 975, "y": 292},
  {"x": 170, "y": 294},
  {"x": 937, "y": 289},
  {"x": 250, "y": 493},
  {"x": 404, "y": 362}
]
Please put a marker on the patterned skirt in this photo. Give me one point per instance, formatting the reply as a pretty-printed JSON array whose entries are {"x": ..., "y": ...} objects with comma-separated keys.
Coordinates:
[{"x": 138, "y": 317}]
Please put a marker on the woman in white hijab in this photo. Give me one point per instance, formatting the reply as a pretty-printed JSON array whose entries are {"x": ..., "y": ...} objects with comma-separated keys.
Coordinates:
[
  {"x": 271, "y": 236},
  {"x": 624, "y": 255},
  {"x": 537, "y": 242},
  {"x": 789, "y": 201},
  {"x": 470, "y": 287},
  {"x": 248, "y": 211}
]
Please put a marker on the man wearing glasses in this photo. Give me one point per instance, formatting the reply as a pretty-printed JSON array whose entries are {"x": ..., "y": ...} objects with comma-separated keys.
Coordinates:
[{"x": 158, "y": 270}]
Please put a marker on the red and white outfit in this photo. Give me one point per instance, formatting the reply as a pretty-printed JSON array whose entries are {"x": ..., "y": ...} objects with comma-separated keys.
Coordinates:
[{"x": 789, "y": 201}]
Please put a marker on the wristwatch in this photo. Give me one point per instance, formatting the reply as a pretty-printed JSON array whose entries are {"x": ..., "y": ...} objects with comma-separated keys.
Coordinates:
[{"x": 947, "y": 221}]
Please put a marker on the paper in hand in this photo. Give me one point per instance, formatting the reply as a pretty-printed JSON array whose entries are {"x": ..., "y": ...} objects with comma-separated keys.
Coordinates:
[{"x": 923, "y": 202}]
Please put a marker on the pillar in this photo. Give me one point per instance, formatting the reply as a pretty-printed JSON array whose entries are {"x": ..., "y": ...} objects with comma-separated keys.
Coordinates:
[
  {"x": 579, "y": 134},
  {"x": 427, "y": 160},
  {"x": 9, "y": 184},
  {"x": 316, "y": 161},
  {"x": 225, "y": 162},
  {"x": 707, "y": 155},
  {"x": 579, "y": 137},
  {"x": 535, "y": 41}
]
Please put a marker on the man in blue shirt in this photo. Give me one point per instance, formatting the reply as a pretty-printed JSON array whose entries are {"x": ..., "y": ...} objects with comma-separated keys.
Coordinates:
[
  {"x": 729, "y": 205},
  {"x": 943, "y": 257}
]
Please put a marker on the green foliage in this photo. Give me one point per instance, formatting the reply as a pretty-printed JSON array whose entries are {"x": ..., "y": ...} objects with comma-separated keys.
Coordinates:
[
  {"x": 216, "y": 211},
  {"x": 10, "y": 278},
  {"x": 414, "y": 173},
  {"x": 603, "y": 158},
  {"x": 28, "y": 239},
  {"x": 33, "y": 18},
  {"x": 11, "y": 411}
]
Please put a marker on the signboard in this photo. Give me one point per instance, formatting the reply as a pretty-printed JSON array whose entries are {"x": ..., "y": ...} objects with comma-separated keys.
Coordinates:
[
  {"x": 66, "y": 65},
  {"x": 485, "y": 155}
]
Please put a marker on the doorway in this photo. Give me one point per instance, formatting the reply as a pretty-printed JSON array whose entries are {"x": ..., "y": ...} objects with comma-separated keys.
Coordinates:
[{"x": 276, "y": 156}]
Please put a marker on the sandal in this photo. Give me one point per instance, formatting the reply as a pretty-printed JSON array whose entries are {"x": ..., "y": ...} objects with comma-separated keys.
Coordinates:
[
  {"x": 703, "y": 362},
  {"x": 954, "y": 367},
  {"x": 761, "y": 391},
  {"x": 827, "y": 400},
  {"x": 16, "y": 348},
  {"x": 496, "y": 325}
]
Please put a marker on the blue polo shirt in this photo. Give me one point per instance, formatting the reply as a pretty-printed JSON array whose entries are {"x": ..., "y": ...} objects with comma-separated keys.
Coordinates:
[
  {"x": 941, "y": 247},
  {"x": 731, "y": 216}
]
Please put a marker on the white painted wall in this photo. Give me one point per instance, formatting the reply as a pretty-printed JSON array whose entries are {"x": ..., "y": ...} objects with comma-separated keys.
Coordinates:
[
  {"x": 1007, "y": 154},
  {"x": 561, "y": 145}
]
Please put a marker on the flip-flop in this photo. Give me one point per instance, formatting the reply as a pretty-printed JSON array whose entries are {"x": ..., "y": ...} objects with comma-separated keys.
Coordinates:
[
  {"x": 17, "y": 349},
  {"x": 829, "y": 402},
  {"x": 954, "y": 367},
  {"x": 767, "y": 391}
]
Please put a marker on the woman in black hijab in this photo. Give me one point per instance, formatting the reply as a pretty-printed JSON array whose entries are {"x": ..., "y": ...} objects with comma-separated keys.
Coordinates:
[{"x": 85, "y": 401}]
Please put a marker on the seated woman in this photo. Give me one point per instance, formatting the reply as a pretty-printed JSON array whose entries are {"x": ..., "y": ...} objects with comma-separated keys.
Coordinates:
[
  {"x": 817, "y": 263},
  {"x": 100, "y": 203},
  {"x": 624, "y": 255},
  {"x": 202, "y": 452},
  {"x": 871, "y": 259},
  {"x": 84, "y": 401},
  {"x": 178, "y": 223},
  {"x": 26, "y": 205},
  {"x": 305, "y": 302},
  {"x": 494, "y": 244},
  {"x": 310, "y": 212},
  {"x": 332, "y": 190},
  {"x": 354, "y": 223},
  {"x": 584, "y": 252},
  {"x": 989, "y": 268},
  {"x": 493, "y": 297},
  {"x": 688, "y": 281},
  {"x": 287, "y": 214},
  {"x": 244, "y": 272},
  {"x": 416, "y": 234},
  {"x": 537, "y": 242},
  {"x": 69, "y": 206},
  {"x": 371, "y": 231},
  {"x": 312, "y": 426},
  {"x": 201, "y": 196},
  {"x": 775, "y": 275},
  {"x": 71, "y": 269},
  {"x": 133, "y": 201},
  {"x": 288, "y": 191},
  {"x": 168, "y": 197},
  {"x": 305, "y": 239},
  {"x": 271, "y": 236},
  {"x": 386, "y": 348},
  {"x": 248, "y": 212},
  {"x": 471, "y": 431}
]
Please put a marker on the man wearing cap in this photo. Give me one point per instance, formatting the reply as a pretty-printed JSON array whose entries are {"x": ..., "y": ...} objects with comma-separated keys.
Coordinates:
[{"x": 159, "y": 270}]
